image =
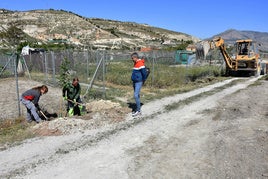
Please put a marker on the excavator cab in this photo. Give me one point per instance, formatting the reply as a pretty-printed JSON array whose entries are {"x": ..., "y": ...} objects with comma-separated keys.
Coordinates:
[
  {"x": 242, "y": 48},
  {"x": 247, "y": 58},
  {"x": 246, "y": 47}
]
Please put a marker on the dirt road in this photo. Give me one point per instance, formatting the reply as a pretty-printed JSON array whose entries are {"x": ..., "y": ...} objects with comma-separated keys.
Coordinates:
[{"x": 221, "y": 132}]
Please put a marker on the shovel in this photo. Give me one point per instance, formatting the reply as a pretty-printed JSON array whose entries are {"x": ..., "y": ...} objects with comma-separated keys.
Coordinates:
[
  {"x": 76, "y": 102},
  {"x": 44, "y": 115}
]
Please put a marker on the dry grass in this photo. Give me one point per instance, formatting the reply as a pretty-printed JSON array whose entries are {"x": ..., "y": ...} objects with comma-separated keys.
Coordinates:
[{"x": 12, "y": 131}]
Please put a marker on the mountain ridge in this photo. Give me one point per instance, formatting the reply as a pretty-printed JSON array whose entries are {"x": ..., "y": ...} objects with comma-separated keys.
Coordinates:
[
  {"x": 48, "y": 25},
  {"x": 60, "y": 26},
  {"x": 231, "y": 35}
]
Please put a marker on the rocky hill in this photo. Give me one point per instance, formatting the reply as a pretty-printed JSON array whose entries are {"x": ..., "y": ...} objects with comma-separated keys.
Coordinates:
[{"x": 59, "y": 26}]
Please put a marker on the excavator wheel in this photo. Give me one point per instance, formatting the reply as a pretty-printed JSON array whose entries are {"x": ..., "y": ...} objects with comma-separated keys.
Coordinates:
[{"x": 257, "y": 73}]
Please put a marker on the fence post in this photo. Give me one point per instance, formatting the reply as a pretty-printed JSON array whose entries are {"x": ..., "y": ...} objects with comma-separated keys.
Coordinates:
[
  {"x": 87, "y": 57},
  {"x": 53, "y": 68},
  {"x": 45, "y": 66},
  {"x": 94, "y": 76},
  {"x": 153, "y": 69},
  {"x": 16, "y": 59},
  {"x": 103, "y": 74}
]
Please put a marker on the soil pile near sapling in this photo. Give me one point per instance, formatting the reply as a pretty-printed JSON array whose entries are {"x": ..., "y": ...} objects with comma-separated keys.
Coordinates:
[{"x": 98, "y": 113}]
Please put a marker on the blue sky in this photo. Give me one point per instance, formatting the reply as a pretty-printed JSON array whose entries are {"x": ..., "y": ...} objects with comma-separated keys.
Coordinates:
[{"x": 200, "y": 18}]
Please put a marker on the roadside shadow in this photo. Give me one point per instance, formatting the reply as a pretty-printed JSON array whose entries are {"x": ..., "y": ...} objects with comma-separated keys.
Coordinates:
[{"x": 132, "y": 106}]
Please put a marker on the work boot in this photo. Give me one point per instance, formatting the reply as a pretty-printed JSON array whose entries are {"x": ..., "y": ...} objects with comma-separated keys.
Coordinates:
[
  {"x": 82, "y": 109},
  {"x": 71, "y": 112},
  {"x": 38, "y": 121},
  {"x": 29, "y": 120},
  {"x": 136, "y": 113}
]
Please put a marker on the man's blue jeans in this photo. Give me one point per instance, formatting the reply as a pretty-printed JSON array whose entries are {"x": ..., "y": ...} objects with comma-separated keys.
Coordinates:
[{"x": 137, "y": 88}]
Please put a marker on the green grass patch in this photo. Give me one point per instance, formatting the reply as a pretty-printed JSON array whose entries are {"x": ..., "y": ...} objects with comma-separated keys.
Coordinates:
[{"x": 189, "y": 100}]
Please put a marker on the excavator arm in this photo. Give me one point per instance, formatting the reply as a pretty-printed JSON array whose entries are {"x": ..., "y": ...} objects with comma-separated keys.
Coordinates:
[{"x": 219, "y": 42}]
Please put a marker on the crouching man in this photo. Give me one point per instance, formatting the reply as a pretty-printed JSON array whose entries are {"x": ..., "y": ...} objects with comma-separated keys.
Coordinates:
[{"x": 71, "y": 93}]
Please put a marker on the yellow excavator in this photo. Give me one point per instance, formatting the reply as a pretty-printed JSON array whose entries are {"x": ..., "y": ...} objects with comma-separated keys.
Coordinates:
[{"x": 245, "y": 60}]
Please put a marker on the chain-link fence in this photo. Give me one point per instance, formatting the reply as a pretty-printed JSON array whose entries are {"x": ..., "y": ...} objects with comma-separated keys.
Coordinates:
[{"x": 90, "y": 66}]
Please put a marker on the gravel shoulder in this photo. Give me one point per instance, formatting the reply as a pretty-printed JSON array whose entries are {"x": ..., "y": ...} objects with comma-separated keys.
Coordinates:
[{"x": 220, "y": 135}]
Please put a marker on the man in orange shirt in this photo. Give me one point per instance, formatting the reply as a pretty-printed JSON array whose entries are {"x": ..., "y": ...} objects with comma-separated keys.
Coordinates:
[{"x": 138, "y": 78}]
